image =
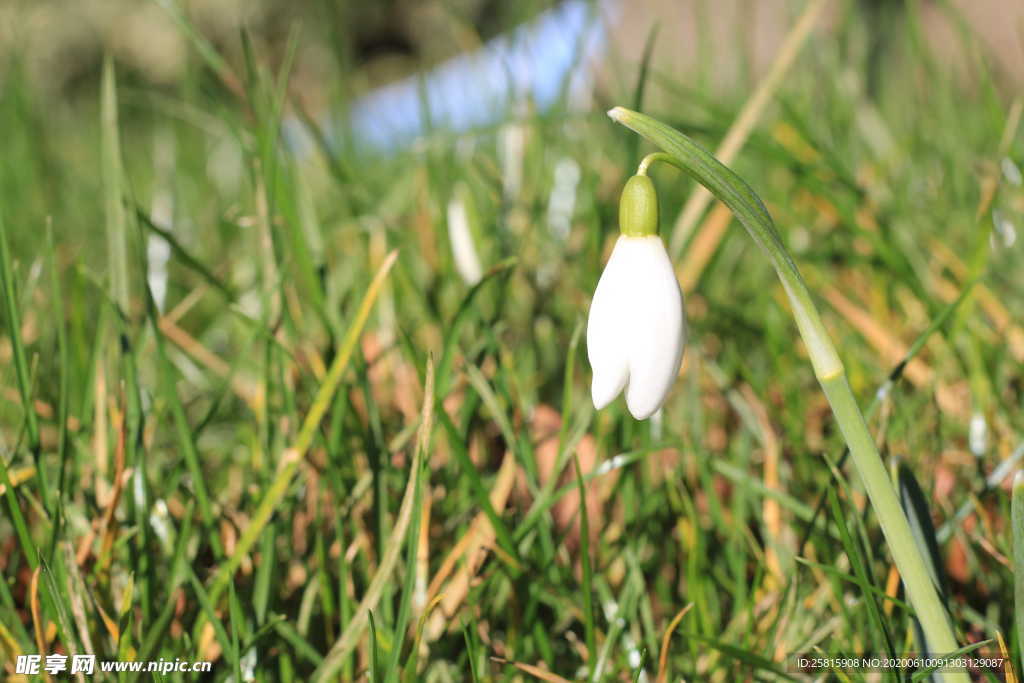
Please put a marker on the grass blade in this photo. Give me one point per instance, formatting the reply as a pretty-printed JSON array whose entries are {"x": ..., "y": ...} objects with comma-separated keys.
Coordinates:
[
  {"x": 347, "y": 640},
  {"x": 20, "y": 363},
  {"x": 294, "y": 455},
  {"x": 113, "y": 180},
  {"x": 1017, "y": 523},
  {"x": 915, "y": 505},
  {"x": 588, "y": 572},
  {"x": 413, "y": 534},
  {"x": 853, "y": 551}
]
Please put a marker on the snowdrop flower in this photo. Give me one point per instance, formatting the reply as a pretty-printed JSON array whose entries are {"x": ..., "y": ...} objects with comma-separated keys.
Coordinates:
[
  {"x": 467, "y": 263},
  {"x": 636, "y": 331},
  {"x": 511, "y": 149},
  {"x": 563, "y": 197},
  {"x": 158, "y": 251},
  {"x": 977, "y": 435}
]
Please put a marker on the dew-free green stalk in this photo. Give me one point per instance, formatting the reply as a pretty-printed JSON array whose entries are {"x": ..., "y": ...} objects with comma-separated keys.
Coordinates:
[{"x": 732, "y": 191}]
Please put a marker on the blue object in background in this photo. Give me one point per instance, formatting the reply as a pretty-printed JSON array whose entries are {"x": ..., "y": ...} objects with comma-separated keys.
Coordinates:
[{"x": 535, "y": 61}]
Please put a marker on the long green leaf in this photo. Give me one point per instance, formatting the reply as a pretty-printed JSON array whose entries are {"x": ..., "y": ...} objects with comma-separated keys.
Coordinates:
[
  {"x": 349, "y": 637},
  {"x": 1017, "y": 522},
  {"x": 868, "y": 590},
  {"x": 588, "y": 589},
  {"x": 413, "y": 534},
  {"x": 113, "y": 180},
  {"x": 276, "y": 492}
]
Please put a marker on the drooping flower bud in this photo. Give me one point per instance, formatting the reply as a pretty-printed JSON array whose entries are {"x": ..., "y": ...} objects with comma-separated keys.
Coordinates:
[{"x": 636, "y": 331}]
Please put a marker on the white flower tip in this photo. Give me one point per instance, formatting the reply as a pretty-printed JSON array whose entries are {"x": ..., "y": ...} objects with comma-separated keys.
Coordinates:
[
  {"x": 604, "y": 388},
  {"x": 600, "y": 400},
  {"x": 643, "y": 404},
  {"x": 616, "y": 113}
]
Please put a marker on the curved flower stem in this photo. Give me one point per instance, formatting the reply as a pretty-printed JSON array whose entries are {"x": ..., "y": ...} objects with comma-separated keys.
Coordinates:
[
  {"x": 646, "y": 162},
  {"x": 732, "y": 191}
]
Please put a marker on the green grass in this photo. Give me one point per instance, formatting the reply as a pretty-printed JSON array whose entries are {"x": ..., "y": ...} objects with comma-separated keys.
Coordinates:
[{"x": 267, "y": 422}]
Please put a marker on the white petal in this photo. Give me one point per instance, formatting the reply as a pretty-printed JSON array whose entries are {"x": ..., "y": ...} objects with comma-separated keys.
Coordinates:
[
  {"x": 658, "y": 328},
  {"x": 636, "y": 332},
  {"x": 467, "y": 263},
  {"x": 607, "y": 330}
]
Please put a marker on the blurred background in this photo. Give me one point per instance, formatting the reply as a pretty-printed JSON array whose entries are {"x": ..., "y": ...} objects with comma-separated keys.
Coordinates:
[{"x": 60, "y": 44}]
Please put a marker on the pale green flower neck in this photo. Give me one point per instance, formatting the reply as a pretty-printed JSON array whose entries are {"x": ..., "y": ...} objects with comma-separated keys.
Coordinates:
[{"x": 638, "y": 207}]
